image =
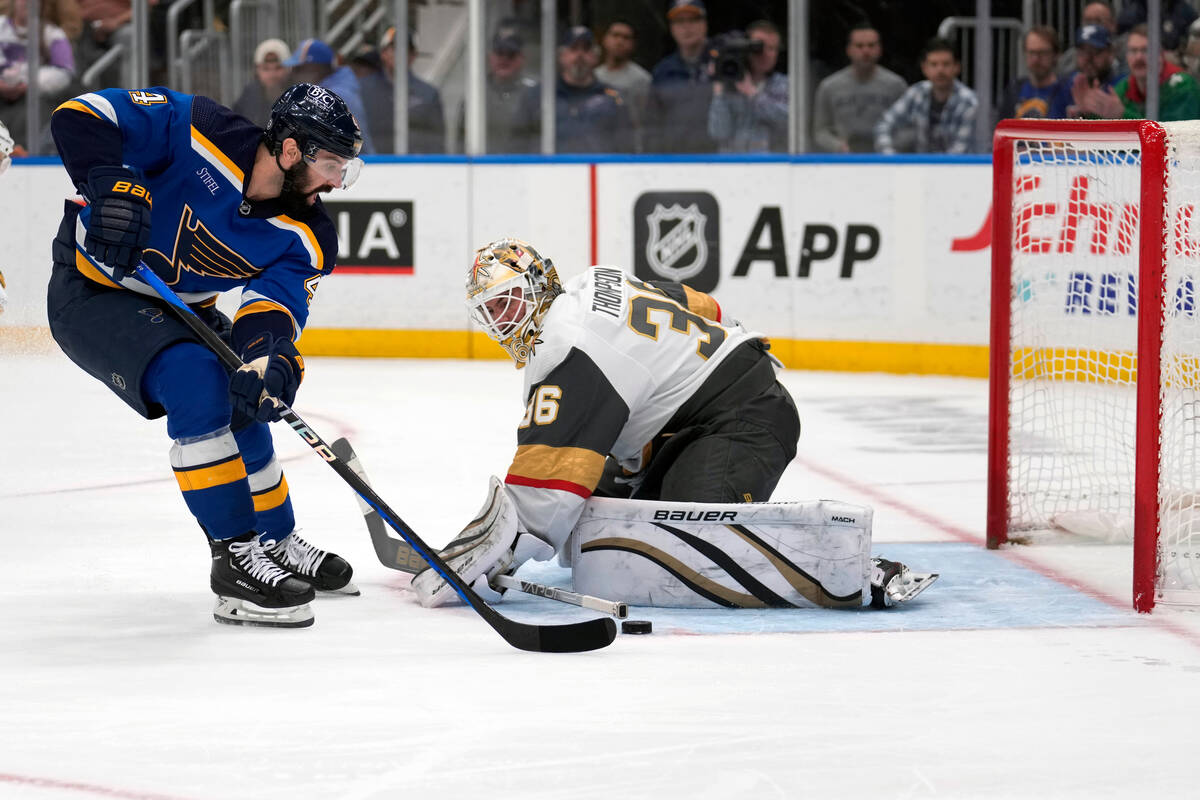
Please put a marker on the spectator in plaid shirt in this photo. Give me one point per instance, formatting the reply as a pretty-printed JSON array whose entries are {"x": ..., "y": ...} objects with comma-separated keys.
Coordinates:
[{"x": 939, "y": 109}]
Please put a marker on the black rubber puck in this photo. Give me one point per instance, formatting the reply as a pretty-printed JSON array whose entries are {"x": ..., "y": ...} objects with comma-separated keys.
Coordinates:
[{"x": 636, "y": 626}]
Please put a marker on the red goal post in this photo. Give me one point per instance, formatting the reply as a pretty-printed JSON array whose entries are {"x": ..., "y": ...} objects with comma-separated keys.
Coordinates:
[{"x": 1094, "y": 420}]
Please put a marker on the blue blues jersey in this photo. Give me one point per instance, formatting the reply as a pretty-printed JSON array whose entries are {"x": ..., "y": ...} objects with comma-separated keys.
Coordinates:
[{"x": 196, "y": 157}]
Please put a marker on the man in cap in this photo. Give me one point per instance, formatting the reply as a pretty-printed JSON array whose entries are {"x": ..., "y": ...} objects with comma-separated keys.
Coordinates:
[
  {"x": 1088, "y": 93},
  {"x": 590, "y": 116},
  {"x": 269, "y": 79},
  {"x": 680, "y": 91},
  {"x": 508, "y": 96}
]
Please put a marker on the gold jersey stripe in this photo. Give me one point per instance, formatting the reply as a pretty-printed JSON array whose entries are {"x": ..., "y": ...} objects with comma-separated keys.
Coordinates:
[
  {"x": 216, "y": 153},
  {"x": 574, "y": 464},
  {"x": 702, "y": 304},
  {"x": 271, "y": 498},
  {"x": 89, "y": 271},
  {"x": 191, "y": 480},
  {"x": 77, "y": 106}
]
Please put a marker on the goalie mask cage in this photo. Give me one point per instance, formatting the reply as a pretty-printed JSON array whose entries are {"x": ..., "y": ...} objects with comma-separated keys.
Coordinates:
[{"x": 1095, "y": 344}]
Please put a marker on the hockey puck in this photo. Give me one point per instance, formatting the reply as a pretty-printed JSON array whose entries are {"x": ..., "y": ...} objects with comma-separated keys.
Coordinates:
[{"x": 636, "y": 626}]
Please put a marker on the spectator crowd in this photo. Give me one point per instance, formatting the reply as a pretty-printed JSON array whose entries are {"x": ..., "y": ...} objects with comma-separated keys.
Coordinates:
[{"x": 712, "y": 93}]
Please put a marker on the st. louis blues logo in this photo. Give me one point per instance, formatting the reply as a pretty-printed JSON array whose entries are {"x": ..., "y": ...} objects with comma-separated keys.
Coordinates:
[{"x": 200, "y": 252}]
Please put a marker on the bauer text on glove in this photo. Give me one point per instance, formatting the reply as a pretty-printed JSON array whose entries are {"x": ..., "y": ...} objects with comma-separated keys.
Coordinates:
[{"x": 119, "y": 227}]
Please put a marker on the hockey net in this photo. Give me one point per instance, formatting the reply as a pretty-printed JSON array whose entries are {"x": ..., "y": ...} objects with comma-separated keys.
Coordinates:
[{"x": 1095, "y": 415}]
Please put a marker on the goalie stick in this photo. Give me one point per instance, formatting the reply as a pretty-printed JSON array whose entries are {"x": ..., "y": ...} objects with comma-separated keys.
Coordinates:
[
  {"x": 396, "y": 554},
  {"x": 572, "y": 637}
]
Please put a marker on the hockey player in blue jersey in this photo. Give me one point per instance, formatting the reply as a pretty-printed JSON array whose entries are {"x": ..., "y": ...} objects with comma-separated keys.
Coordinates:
[{"x": 211, "y": 203}]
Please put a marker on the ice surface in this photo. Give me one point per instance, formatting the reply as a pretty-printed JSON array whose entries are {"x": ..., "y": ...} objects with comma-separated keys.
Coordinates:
[{"x": 1020, "y": 674}]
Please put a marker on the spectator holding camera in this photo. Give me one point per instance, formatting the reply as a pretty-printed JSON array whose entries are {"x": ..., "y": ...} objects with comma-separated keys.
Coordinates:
[
  {"x": 749, "y": 109},
  {"x": 939, "y": 110},
  {"x": 677, "y": 111},
  {"x": 850, "y": 101}
]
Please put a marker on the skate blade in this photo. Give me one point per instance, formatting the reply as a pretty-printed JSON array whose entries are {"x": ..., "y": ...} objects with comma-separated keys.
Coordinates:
[
  {"x": 916, "y": 584},
  {"x": 350, "y": 590},
  {"x": 231, "y": 611}
]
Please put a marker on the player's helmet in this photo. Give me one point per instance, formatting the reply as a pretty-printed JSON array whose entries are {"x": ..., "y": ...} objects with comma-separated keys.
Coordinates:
[
  {"x": 510, "y": 287},
  {"x": 317, "y": 119},
  {"x": 6, "y": 148}
]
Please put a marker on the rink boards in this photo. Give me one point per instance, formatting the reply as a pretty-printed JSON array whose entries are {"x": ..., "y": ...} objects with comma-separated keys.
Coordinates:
[{"x": 856, "y": 263}]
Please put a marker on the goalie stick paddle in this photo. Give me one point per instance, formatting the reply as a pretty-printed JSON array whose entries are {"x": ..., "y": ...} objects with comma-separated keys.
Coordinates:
[
  {"x": 573, "y": 637},
  {"x": 395, "y": 554}
]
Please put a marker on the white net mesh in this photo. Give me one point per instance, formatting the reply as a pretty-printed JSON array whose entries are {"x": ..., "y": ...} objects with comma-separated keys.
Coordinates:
[
  {"x": 1074, "y": 340},
  {"x": 1074, "y": 337},
  {"x": 1179, "y": 446}
]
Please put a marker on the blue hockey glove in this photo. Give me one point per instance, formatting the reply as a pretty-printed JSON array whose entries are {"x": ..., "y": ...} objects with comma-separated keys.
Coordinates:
[
  {"x": 119, "y": 228},
  {"x": 273, "y": 369}
]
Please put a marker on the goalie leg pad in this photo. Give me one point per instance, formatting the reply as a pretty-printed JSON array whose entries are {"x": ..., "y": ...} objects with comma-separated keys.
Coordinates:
[
  {"x": 733, "y": 555},
  {"x": 489, "y": 545}
]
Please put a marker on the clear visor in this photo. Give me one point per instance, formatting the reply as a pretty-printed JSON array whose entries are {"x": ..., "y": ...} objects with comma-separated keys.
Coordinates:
[
  {"x": 502, "y": 310},
  {"x": 335, "y": 170}
]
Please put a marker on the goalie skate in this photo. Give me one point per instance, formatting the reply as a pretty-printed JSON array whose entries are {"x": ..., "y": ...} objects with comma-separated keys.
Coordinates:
[{"x": 892, "y": 583}]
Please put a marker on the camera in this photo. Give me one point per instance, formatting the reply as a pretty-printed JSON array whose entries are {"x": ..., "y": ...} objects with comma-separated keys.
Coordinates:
[{"x": 730, "y": 54}]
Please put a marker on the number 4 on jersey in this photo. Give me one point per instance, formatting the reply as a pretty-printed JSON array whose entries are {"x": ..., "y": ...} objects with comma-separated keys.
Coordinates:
[{"x": 144, "y": 98}]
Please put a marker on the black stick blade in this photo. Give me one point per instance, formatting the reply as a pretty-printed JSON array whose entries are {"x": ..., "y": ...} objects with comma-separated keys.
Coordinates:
[{"x": 574, "y": 637}]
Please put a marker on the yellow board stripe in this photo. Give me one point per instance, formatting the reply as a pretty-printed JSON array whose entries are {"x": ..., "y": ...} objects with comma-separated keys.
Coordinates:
[
  {"x": 966, "y": 360},
  {"x": 78, "y": 106},
  {"x": 271, "y": 498},
  {"x": 224, "y": 472},
  {"x": 543, "y": 462},
  {"x": 216, "y": 153},
  {"x": 960, "y": 360},
  {"x": 89, "y": 270}
]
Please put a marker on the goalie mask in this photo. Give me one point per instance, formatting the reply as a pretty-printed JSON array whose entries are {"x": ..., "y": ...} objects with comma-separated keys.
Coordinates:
[{"x": 510, "y": 287}]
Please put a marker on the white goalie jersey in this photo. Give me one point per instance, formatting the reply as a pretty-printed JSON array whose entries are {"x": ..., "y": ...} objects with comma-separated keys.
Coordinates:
[{"x": 616, "y": 359}]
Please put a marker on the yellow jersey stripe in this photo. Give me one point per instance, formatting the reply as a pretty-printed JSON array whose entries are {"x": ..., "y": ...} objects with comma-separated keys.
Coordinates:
[
  {"x": 211, "y": 153},
  {"x": 89, "y": 270},
  {"x": 271, "y": 498},
  {"x": 78, "y": 106},
  {"x": 193, "y": 479},
  {"x": 263, "y": 306},
  {"x": 307, "y": 238},
  {"x": 542, "y": 462}
]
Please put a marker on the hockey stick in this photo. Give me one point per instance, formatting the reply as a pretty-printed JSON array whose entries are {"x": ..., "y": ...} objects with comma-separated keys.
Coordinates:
[
  {"x": 395, "y": 554},
  {"x": 573, "y": 637}
]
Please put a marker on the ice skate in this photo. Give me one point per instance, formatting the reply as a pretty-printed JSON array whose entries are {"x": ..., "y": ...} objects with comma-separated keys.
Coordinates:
[
  {"x": 252, "y": 589},
  {"x": 327, "y": 572},
  {"x": 893, "y": 583}
]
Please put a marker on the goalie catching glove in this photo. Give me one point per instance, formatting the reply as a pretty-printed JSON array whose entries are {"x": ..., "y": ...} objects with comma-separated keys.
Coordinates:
[
  {"x": 273, "y": 369},
  {"x": 492, "y": 544}
]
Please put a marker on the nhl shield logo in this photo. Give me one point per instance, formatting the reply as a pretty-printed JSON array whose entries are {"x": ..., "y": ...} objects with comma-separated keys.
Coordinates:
[
  {"x": 676, "y": 238},
  {"x": 676, "y": 248}
]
